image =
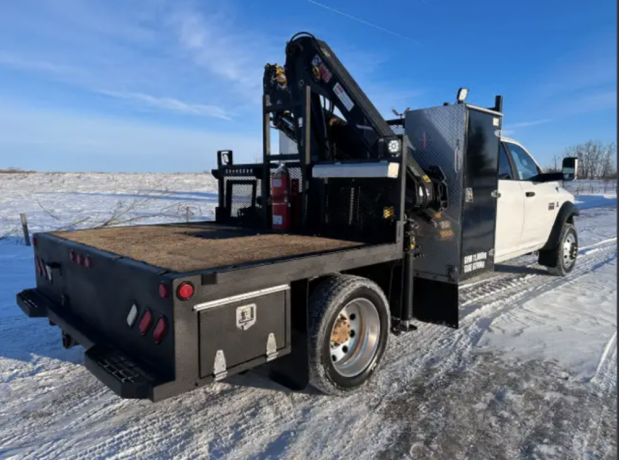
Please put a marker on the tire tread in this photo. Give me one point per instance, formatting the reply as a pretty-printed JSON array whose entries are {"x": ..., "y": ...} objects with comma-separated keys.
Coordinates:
[{"x": 328, "y": 292}]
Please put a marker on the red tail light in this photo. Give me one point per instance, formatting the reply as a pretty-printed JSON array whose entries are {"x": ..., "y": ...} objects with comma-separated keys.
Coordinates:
[
  {"x": 160, "y": 329},
  {"x": 145, "y": 322},
  {"x": 184, "y": 291},
  {"x": 80, "y": 259},
  {"x": 72, "y": 255},
  {"x": 88, "y": 262},
  {"x": 163, "y": 291}
]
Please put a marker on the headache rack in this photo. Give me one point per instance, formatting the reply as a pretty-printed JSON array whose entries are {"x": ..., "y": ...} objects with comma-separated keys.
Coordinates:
[{"x": 365, "y": 209}]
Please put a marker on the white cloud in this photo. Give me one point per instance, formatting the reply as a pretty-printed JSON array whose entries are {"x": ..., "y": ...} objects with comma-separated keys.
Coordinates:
[
  {"x": 525, "y": 124},
  {"x": 46, "y": 67},
  {"x": 171, "y": 104},
  {"x": 191, "y": 52},
  {"x": 215, "y": 44},
  {"x": 582, "y": 80},
  {"x": 602, "y": 100},
  {"x": 50, "y": 140}
]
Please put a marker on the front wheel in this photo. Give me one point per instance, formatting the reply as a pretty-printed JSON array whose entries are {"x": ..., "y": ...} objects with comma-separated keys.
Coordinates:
[
  {"x": 562, "y": 259},
  {"x": 349, "y": 328}
]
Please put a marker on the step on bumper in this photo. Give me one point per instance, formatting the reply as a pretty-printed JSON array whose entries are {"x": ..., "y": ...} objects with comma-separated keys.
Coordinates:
[
  {"x": 117, "y": 371},
  {"x": 32, "y": 303}
]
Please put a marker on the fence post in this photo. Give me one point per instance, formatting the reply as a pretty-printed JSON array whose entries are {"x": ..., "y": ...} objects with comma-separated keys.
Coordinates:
[{"x": 24, "y": 226}]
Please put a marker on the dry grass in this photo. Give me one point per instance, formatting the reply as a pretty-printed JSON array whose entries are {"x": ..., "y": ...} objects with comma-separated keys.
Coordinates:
[{"x": 15, "y": 171}]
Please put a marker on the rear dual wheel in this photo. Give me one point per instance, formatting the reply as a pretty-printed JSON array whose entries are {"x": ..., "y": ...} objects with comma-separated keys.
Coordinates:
[{"x": 349, "y": 328}]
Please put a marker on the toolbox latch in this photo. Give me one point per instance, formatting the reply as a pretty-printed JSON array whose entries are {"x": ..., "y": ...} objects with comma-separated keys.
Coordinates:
[
  {"x": 219, "y": 367},
  {"x": 271, "y": 347}
]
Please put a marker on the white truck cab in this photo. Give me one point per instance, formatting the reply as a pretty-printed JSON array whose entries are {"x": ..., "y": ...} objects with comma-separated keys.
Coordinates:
[{"x": 533, "y": 212}]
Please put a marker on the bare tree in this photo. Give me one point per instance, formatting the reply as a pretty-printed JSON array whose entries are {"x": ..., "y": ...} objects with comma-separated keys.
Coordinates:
[
  {"x": 555, "y": 163},
  {"x": 608, "y": 167},
  {"x": 596, "y": 159}
]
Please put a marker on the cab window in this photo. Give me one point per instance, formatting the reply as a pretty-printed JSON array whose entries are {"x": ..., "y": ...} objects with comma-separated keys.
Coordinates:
[
  {"x": 505, "y": 167},
  {"x": 525, "y": 166}
]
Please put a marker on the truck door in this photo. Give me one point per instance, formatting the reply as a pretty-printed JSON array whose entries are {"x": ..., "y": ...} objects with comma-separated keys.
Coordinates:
[
  {"x": 510, "y": 209},
  {"x": 538, "y": 215}
]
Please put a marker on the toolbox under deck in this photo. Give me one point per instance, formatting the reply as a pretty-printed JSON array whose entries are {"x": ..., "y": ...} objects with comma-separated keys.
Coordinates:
[{"x": 201, "y": 246}]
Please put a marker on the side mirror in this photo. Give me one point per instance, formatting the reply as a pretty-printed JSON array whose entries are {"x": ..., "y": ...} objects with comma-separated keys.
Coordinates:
[{"x": 570, "y": 168}]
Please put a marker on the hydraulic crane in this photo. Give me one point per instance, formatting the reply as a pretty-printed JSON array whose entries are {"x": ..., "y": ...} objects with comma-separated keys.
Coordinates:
[{"x": 361, "y": 133}]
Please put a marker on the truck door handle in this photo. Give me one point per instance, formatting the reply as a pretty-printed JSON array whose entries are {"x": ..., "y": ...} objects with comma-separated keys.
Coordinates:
[{"x": 530, "y": 194}]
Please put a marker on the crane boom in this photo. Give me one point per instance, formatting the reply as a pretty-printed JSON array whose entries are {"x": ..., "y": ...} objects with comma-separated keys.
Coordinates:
[{"x": 359, "y": 133}]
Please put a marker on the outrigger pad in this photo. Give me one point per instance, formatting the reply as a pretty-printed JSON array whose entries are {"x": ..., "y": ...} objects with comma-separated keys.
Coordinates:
[{"x": 435, "y": 302}]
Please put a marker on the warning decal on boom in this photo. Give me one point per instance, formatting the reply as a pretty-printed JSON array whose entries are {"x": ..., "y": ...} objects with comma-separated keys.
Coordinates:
[{"x": 343, "y": 96}]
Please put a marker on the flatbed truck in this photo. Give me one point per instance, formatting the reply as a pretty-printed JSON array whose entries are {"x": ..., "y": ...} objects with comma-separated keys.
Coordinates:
[{"x": 314, "y": 258}]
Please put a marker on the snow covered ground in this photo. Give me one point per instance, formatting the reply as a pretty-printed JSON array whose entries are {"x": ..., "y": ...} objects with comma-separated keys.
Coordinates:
[{"x": 531, "y": 373}]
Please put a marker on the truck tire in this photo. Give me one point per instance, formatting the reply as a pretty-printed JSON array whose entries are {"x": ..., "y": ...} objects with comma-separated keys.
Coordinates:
[
  {"x": 562, "y": 259},
  {"x": 348, "y": 327}
]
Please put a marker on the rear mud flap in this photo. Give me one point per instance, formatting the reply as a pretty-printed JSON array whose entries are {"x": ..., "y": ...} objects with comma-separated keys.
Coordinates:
[{"x": 435, "y": 302}]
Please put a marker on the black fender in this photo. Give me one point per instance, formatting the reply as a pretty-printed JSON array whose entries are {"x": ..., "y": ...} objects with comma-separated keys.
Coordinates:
[{"x": 568, "y": 210}]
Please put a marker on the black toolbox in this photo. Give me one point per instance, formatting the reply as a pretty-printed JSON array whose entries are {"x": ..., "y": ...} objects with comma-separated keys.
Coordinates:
[{"x": 237, "y": 330}]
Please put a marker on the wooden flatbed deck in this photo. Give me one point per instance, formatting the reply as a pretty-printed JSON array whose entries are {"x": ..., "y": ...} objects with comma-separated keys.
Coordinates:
[{"x": 202, "y": 246}]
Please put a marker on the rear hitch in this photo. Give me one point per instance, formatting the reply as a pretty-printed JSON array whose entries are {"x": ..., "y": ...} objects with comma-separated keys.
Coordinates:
[{"x": 68, "y": 341}]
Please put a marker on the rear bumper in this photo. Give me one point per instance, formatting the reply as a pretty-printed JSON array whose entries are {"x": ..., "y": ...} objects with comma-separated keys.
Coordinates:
[{"x": 117, "y": 371}]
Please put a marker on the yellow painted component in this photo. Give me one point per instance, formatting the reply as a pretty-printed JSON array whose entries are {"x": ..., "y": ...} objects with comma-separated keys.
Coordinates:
[
  {"x": 388, "y": 212},
  {"x": 280, "y": 74},
  {"x": 427, "y": 179},
  {"x": 447, "y": 234},
  {"x": 316, "y": 72}
]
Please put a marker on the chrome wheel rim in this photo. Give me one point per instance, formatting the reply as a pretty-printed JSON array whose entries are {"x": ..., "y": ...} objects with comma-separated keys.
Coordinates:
[
  {"x": 355, "y": 337},
  {"x": 570, "y": 250}
]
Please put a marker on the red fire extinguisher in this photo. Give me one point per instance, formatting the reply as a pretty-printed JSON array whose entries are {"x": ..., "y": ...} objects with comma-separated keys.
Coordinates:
[{"x": 281, "y": 198}]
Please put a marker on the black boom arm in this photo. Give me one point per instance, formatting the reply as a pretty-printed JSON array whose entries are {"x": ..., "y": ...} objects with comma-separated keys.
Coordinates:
[{"x": 360, "y": 133}]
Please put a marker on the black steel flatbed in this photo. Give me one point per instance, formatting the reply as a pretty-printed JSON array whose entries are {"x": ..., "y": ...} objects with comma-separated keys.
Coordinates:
[{"x": 223, "y": 255}]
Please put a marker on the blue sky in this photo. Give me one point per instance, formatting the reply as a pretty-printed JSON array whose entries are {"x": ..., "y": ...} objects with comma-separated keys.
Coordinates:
[{"x": 156, "y": 85}]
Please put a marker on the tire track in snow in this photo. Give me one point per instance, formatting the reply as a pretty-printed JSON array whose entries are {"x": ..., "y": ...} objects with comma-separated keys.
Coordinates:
[
  {"x": 481, "y": 284},
  {"x": 241, "y": 421},
  {"x": 601, "y": 372},
  {"x": 520, "y": 261},
  {"x": 447, "y": 347},
  {"x": 453, "y": 353},
  {"x": 602, "y": 383},
  {"x": 246, "y": 436}
]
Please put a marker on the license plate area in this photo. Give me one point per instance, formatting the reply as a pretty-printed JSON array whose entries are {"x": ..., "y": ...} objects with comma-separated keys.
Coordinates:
[{"x": 243, "y": 328}]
